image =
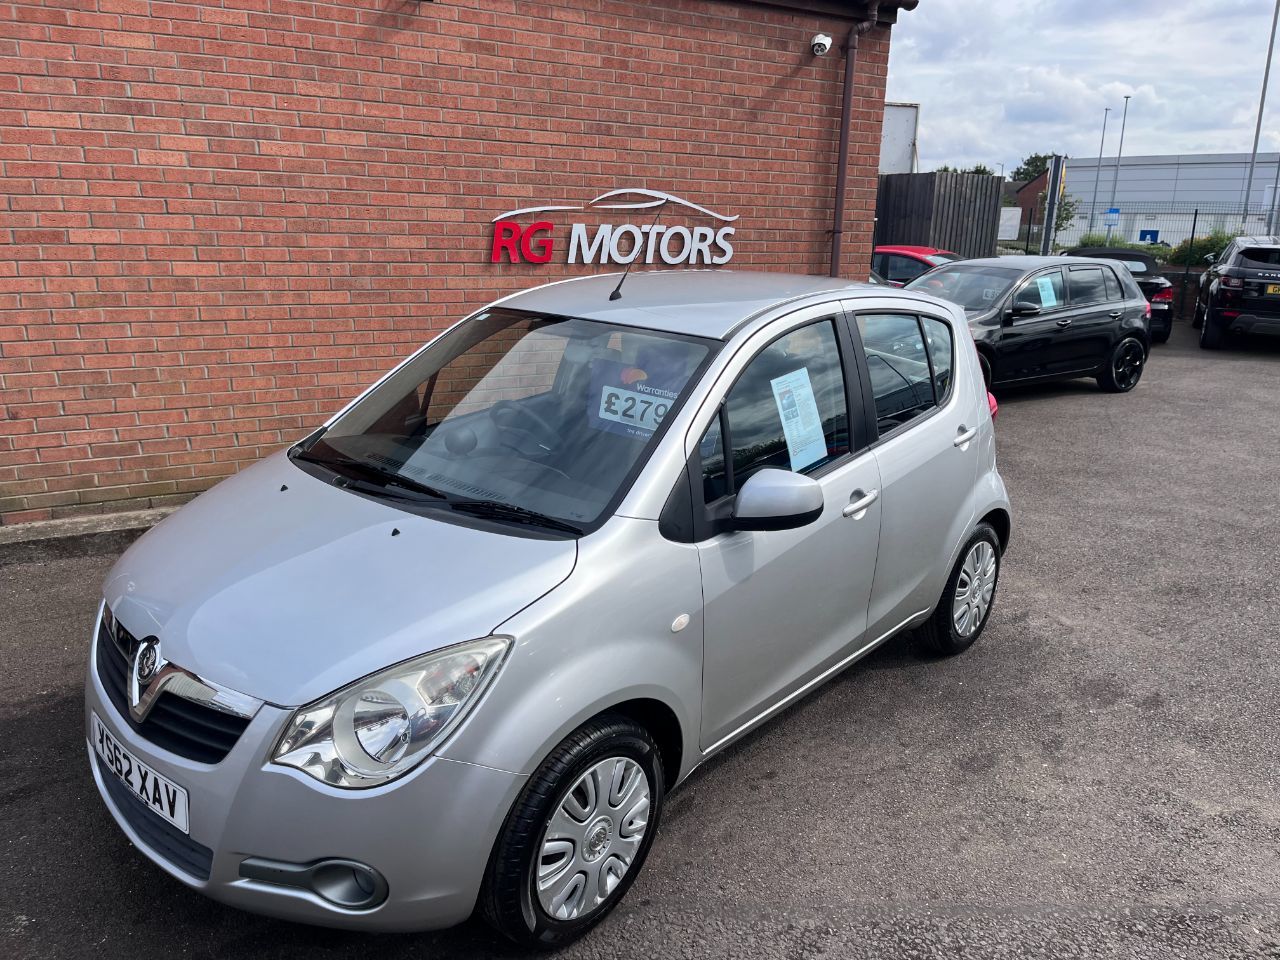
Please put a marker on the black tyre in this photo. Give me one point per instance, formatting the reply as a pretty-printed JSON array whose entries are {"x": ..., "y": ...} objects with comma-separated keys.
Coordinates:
[
  {"x": 1197, "y": 317},
  {"x": 577, "y": 836},
  {"x": 970, "y": 593},
  {"x": 985, "y": 365},
  {"x": 1162, "y": 335},
  {"x": 1212, "y": 336},
  {"x": 1124, "y": 367}
]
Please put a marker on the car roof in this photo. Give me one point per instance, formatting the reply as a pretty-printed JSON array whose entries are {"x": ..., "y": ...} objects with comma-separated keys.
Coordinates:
[
  {"x": 906, "y": 248},
  {"x": 1025, "y": 263},
  {"x": 1112, "y": 252},
  {"x": 702, "y": 303},
  {"x": 1259, "y": 241}
]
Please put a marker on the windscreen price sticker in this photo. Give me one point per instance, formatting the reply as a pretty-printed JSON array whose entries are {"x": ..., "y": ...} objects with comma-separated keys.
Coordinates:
[{"x": 632, "y": 409}]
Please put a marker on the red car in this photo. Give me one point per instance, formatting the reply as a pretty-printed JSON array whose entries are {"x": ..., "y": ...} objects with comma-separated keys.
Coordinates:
[{"x": 900, "y": 264}]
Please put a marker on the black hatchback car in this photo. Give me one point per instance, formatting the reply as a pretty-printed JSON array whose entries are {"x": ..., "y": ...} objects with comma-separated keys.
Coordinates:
[
  {"x": 1153, "y": 284},
  {"x": 1044, "y": 318},
  {"x": 1240, "y": 292}
]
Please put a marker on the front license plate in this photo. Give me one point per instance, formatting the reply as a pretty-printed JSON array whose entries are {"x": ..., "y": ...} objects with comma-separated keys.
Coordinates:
[
  {"x": 165, "y": 798},
  {"x": 1273, "y": 289}
]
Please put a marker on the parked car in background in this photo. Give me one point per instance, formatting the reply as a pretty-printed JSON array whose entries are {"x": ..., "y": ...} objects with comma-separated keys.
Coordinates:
[
  {"x": 449, "y": 653},
  {"x": 1155, "y": 286},
  {"x": 1038, "y": 318},
  {"x": 1240, "y": 292},
  {"x": 902, "y": 264}
]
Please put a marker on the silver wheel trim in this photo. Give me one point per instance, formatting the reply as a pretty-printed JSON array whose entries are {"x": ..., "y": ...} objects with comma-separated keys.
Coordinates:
[
  {"x": 592, "y": 838},
  {"x": 975, "y": 587}
]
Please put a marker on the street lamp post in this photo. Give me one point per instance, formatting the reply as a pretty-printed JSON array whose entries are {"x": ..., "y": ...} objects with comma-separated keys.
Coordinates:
[
  {"x": 1097, "y": 174},
  {"x": 1124, "y": 119},
  {"x": 1257, "y": 130}
]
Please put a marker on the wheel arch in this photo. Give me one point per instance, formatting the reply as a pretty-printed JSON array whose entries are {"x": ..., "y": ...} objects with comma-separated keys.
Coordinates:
[
  {"x": 663, "y": 725},
  {"x": 1002, "y": 523}
]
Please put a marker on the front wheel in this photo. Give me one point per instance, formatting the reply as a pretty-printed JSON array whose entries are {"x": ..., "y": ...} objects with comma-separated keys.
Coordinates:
[
  {"x": 577, "y": 836},
  {"x": 966, "y": 601},
  {"x": 1124, "y": 368}
]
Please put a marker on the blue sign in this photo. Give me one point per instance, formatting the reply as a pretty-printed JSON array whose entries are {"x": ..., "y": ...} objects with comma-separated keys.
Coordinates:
[
  {"x": 1148, "y": 236},
  {"x": 1112, "y": 217}
]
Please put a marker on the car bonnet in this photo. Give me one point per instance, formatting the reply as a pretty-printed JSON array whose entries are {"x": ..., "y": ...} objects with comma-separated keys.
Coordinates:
[{"x": 285, "y": 588}]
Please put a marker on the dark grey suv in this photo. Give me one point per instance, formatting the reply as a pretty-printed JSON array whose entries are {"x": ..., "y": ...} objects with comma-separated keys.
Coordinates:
[{"x": 1240, "y": 292}]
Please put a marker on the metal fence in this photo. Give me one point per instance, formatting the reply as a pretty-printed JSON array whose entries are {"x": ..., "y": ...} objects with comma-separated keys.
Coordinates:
[{"x": 1177, "y": 233}]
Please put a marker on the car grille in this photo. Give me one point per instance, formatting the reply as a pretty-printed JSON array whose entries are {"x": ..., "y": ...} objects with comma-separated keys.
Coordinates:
[
  {"x": 165, "y": 840},
  {"x": 176, "y": 724}
]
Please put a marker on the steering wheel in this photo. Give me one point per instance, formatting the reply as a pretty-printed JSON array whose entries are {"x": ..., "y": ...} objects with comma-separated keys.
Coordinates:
[{"x": 504, "y": 413}]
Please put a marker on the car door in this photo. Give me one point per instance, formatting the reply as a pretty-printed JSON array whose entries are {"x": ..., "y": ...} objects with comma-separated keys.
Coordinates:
[
  {"x": 1090, "y": 325},
  {"x": 781, "y": 607},
  {"x": 926, "y": 450},
  {"x": 1028, "y": 342}
]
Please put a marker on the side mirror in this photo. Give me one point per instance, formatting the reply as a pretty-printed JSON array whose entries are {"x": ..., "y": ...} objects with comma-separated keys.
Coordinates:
[
  {"x": 774, "y": 499},
  {"x": 1024, "y": 308},
  {"x": 1210, "y": 258}
]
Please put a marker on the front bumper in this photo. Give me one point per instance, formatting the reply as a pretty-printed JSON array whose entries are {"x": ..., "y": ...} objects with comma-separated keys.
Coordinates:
[{"x": 428, "y": 834}]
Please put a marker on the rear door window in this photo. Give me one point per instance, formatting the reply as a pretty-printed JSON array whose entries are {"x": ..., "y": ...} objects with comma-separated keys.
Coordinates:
[
  {"x": 1085, "y": 285},
  {"x": 899, "y": 365}
]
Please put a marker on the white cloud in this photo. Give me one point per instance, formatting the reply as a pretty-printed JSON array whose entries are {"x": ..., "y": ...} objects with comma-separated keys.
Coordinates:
[{"x": 997, "y": 80}]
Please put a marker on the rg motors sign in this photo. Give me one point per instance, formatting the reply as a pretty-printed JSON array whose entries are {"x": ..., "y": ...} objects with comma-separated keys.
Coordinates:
[{"x": 543, "y": 234}]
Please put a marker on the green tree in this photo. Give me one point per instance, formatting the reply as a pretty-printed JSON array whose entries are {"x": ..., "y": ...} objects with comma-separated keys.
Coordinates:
[
  {"x": 1032, "y": 166},
  {"x": 1068, "y": 207},
  {"x": 981, "y": 169}
]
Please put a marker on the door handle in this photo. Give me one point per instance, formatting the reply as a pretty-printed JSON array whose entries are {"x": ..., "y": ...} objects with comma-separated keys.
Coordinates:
[
  {"x": 964, "y": 436},
  {"x": 859, "y": 506},
  {"x": 1064, "y": 322},
  {"x": 1116, "y": 314}
]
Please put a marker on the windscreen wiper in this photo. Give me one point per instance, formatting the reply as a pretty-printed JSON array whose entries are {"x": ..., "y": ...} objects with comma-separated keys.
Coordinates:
[
  {"x": 381, "y": 478},
  {"x": 498, "y": 510}
]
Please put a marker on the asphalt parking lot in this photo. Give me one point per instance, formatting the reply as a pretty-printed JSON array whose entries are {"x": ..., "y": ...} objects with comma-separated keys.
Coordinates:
[{"x": 1097, "y": 778}]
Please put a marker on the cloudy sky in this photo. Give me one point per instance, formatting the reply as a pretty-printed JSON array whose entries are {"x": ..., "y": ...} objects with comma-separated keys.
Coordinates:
[{"x": 999, "y": 79}]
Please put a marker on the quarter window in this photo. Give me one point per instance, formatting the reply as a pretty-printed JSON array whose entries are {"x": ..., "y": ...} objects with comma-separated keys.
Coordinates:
[
  {"x": 898, "y": 361},
  {"x": 1113, "y": 285},
  {"x": 1085, "y": 285},
  {"x": 787, "y": 409},
  {"x": 937, "y": 337},
  {"x": 903, "y": 269}
]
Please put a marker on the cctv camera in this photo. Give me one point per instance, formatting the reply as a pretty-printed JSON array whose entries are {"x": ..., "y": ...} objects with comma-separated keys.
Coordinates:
[{"x": 820, "y": 44}]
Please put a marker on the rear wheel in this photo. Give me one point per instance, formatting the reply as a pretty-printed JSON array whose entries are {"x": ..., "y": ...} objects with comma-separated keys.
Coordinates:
[
  {"x": 577, "y": 836},
  {"x": 1124, "y": 368},
  {"x": 1162, "y": 335},
  {"x": 1211, "y": 335},
  {"x": 966, "y": 601}
]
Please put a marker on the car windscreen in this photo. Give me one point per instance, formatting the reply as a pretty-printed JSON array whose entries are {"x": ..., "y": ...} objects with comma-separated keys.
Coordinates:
[
  {"x": 1135, "y": 266},
  {"x": 975, "y": 286},
  {"x": 522, "y": 413},
  {"x": 1260, "y": 257}
]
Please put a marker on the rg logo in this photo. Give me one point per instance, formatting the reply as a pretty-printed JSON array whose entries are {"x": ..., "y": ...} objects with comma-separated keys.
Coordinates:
[{"x": 518, "y": 245}]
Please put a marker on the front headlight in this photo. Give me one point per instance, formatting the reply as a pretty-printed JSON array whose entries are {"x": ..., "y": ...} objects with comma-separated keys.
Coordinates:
[{"x": 383, "y": 726}]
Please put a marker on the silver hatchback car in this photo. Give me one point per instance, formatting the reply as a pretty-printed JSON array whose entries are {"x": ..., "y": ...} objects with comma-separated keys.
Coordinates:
[{"x": 450, "y": 653}]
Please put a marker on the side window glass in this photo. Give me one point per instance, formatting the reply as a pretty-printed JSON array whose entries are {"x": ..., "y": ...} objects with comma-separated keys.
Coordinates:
[
  {"x": 787, "y": 410},
  {"x": 1085, "y": 286},
  {"x": 899, "y": 365},
  {"x": 1113, "y": 285},
  {"x": 937, "y": 337},
  {"x": 1043, "y": 291},
  {"x": 904, "y": 269}
]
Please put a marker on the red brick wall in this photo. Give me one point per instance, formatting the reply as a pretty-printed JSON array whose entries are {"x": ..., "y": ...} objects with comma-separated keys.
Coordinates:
[{"x": 221, "y": 219}]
